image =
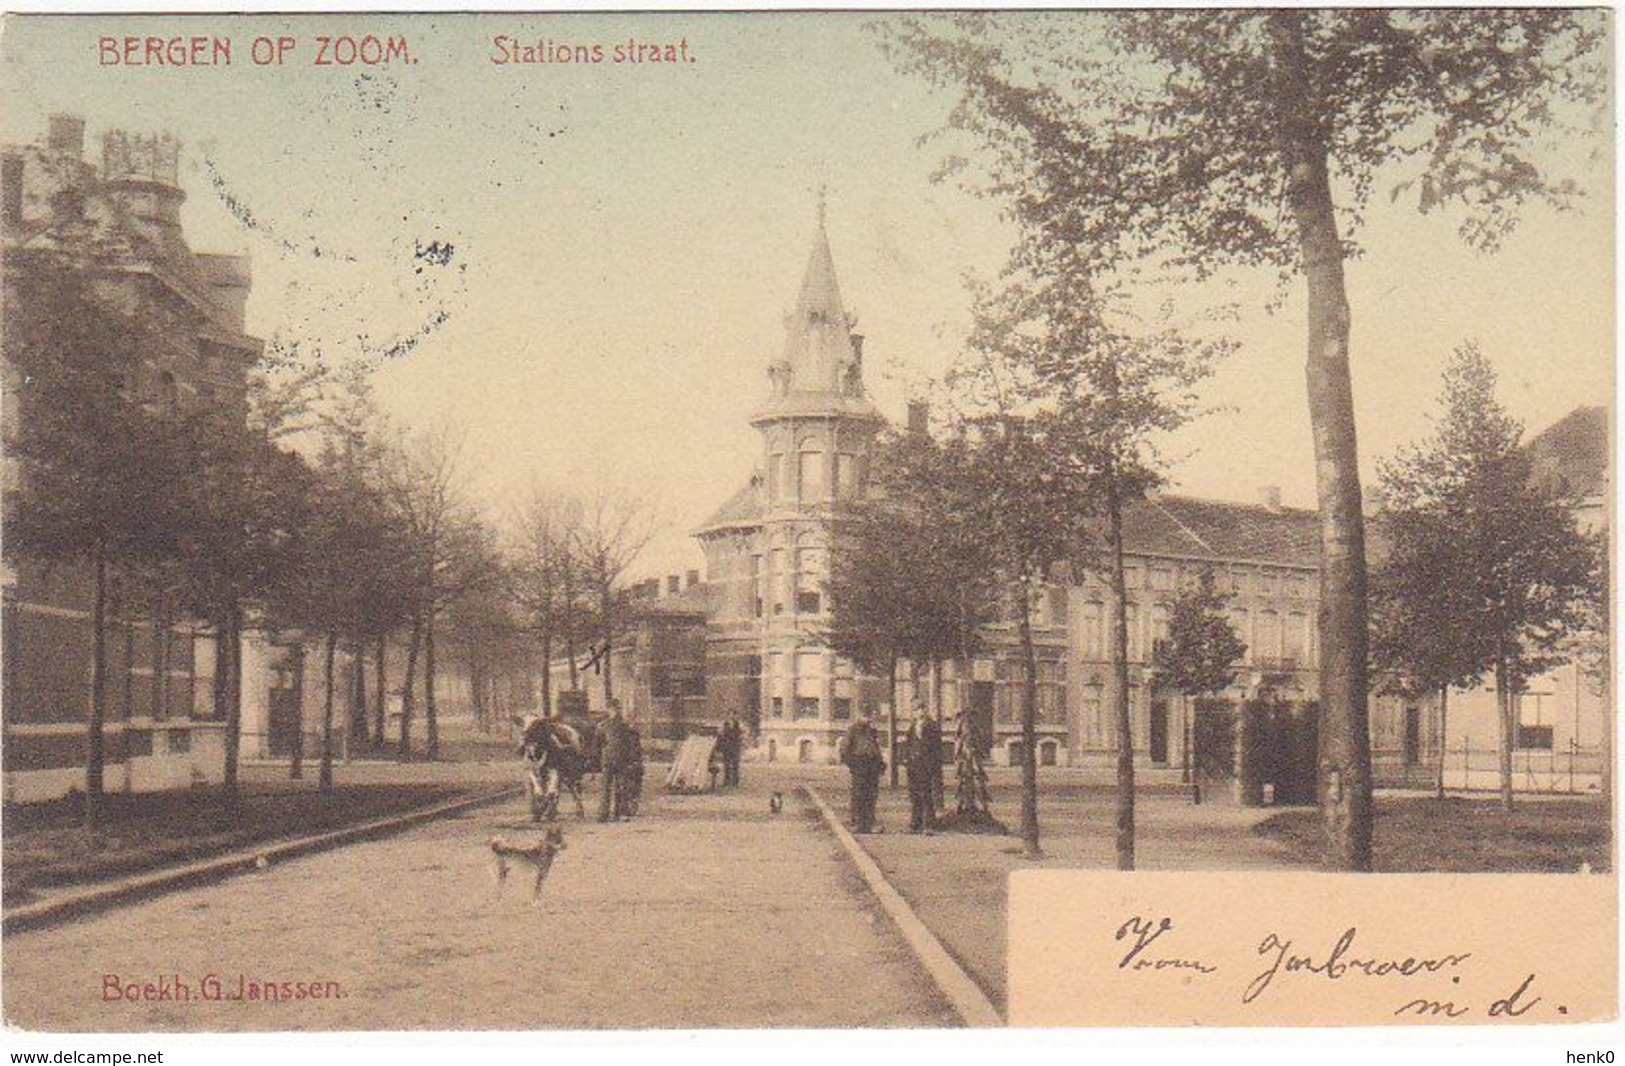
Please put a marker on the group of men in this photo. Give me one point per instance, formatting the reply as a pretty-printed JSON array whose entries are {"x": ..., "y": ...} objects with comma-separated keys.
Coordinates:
[
  {"x": 861, "y": 751},
  {"x": 730, "y": 743},
  {"x": 620, "y": 756}
]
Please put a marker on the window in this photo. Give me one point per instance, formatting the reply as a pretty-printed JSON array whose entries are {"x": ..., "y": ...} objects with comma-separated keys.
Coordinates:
[
  {"x": 776, "y": 488},
  {"x": 1133, "y": 633},
  {"x": 778, "y": 706},
  {"x": 806, "y": 707},
  {"x": 1093, "y": 633},
  {"x": 1162, "y": 578},
  {"x": 1047, "y": 752},
  {"x": 1159, "y": 623},
  {"x": 1269, "y": 635},
  {"x": 807, "y": 603},
  {"x": 180, "y": 741},
  {"x": 1295, "y": 638},
  {"x": 814, "y": 485},
  {"x": 1534, "y": 721},
  {"x": 1242, "y": 619},
  {"x": 846, "y": 475},
  {"x": 1268, "y": 582},
  {"x": 843, "y": 708}
]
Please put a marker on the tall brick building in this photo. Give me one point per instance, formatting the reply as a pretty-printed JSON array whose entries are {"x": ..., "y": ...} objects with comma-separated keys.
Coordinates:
[{"x": 124, "y": 207}]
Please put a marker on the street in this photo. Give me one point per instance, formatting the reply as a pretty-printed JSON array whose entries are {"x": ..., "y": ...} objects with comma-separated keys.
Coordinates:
[{"x": 707, "y": 911}]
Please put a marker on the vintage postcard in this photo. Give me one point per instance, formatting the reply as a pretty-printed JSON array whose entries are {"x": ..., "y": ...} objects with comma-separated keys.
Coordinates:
[{"x": 818, "y": 520}]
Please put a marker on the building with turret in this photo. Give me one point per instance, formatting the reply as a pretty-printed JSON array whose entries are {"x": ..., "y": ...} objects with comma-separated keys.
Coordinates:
[{"x": 767, "y": 549}]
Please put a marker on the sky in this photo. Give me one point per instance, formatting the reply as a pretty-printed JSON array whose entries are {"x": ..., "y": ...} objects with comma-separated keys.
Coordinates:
[{"x": 584, "y": 267}]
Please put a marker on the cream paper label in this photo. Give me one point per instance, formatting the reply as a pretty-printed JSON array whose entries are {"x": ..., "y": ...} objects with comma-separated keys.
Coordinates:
[{"x": 1239, "y": 949}]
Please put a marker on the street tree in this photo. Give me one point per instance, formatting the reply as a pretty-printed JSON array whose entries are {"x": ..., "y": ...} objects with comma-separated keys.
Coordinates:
[
  {"x": 545, "y": 579},
  {"x": 1182, "y": 142},
  {"x": 1198, "y": 657},
  {"x": 1485, "y": 550},
  {"x": 1108, "y": 396}
]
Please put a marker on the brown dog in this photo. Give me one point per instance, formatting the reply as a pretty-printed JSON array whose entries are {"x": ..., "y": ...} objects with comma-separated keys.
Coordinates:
[{"x": 539, "y": 856}]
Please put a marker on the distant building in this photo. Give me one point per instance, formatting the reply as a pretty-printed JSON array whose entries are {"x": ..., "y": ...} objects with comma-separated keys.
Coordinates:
[{"x": 126, "y": 204}]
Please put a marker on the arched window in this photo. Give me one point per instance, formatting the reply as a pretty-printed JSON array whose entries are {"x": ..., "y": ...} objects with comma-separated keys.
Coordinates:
[
  {"x": 846, "y": 475},
  {"x": 814, "y": 485},
  {"x": 812, "y": 566}
]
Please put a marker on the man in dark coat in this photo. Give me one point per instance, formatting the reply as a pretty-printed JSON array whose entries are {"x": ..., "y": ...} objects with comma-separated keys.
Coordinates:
[
  {"x": 931, "y": 734},
  {"x": 917, "y": 757},
  {"x": 729, "y": 744},
  {"x": 612, "y": 755},
  {"x": 860, "y": 751}
]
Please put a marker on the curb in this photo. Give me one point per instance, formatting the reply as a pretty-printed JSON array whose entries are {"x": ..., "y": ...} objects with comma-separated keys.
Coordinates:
[
  {"x": 967, "y": 998},
  {"x": 89, "y": 901}
]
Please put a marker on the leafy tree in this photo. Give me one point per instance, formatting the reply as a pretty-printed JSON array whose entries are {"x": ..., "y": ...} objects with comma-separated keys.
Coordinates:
[
  {"x": 1199, "y": 655},
  {"x": 909, "y": 580},
  {"x": 1484, "y": 550},
  {"x": 1107, "y": 397},
  {"x": 100, "y": 453},
  {"x": 1193, "y": 140}
]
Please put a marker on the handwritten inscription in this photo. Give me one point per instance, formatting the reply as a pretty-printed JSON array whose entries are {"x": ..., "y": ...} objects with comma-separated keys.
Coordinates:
[
  {"x": 1338, "y": 963},
  {"x": 1145, "y": 933},
  {"x": 1149, "y": 949}
]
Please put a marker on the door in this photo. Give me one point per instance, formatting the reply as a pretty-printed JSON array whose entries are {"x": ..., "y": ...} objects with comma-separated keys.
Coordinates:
[
  {"x": 1413, "y": 734},
  {"x": 1159, "y": 732},
  {"x": 283, "y": 728},
  {"x": 981, "y": 716}
]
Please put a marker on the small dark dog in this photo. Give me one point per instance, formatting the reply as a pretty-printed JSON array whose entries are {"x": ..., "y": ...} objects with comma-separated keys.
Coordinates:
[
  {"x": 539, "y": 856},
  {"x": 775, "y": 802}
]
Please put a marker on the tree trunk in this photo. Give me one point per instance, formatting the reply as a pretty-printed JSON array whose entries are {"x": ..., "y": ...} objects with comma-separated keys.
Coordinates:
[
  {"x": 1345, "y": 743},
  {"x": 225, "y": 657},
  {"x": 96, "y": 745},
  {"x": 1121, "y": 711},
  {"x": 358, "y": 696},
  {"x": 324, "y": 776},
  {"x": 431, "y": 718},
  {"x": 605, "y": 663},
  {"x": 891, "y": 723},
  {"x": 476, "y": 688},
  {"x": 1506, "y": 706},
  {"x": 296, "y": 768},
  {"x": 407, "y": 693},
  {"x": 381, "y": 705},
  {"x": 1029, "y": 730},
  {"x": 1443, "y": 744},
  {"x": 547, "y": 675}
]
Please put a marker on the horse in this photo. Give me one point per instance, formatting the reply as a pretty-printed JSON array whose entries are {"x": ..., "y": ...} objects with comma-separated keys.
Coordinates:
[{"x": 556, "y": 754}]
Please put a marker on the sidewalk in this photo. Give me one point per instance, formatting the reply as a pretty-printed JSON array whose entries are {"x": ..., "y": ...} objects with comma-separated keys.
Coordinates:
[{"x": 956, "y": 882}]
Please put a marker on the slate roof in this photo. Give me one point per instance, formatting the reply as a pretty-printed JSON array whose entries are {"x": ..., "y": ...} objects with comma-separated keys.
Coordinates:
[
  {"x": 1573, "y": 452},
  {"x": 744, "y": 508},
  {"x": 1187, "y": 527},
  {"x": 1174, "y": 526}
]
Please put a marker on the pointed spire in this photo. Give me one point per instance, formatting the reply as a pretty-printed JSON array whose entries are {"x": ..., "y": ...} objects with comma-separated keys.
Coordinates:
[{"x": 821, "y": 369}]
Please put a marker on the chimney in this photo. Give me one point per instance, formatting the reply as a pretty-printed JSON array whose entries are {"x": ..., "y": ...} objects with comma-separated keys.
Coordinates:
[
  {"x": 1270, "y": 497},
  {"x": 919, "y": 418},
  {"x": 692, "y": 578},
  {"x": 66, "y": 134},
  {"x": 674, "y": 584}
]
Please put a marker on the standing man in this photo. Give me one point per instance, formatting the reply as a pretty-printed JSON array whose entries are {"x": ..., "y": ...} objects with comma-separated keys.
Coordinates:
[
  {"x": 922, "y": 814},
  {"x": 860, "y": 751},
  {"x": 611, "y": 754},
  {"x": 931, "y": 734},
  {"x": 731, "y": 741}
]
